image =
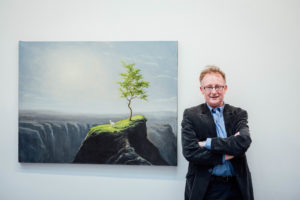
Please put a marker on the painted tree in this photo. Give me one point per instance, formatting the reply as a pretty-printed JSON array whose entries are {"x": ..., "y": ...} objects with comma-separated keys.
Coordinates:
[{"x": 133, "y": 86}]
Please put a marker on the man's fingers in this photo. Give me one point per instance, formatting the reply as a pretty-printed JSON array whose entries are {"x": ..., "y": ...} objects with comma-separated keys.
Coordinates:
[
  {"x": 201, "y": 144},
  {"x": 228, "y": 157},
  {"x": 238, "y": 133}
]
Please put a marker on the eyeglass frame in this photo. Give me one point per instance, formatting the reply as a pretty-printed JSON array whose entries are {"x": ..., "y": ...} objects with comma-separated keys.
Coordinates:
[{"x": 218, "y": 88}]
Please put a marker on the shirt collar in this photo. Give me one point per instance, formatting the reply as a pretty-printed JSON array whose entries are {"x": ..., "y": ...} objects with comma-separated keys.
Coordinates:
[{"x": 214, "y": 110}]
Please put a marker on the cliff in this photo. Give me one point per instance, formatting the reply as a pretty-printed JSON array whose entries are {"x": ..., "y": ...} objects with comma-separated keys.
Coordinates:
[
  {"x": 162, "y": 136},
  {"x": 125, "y": 142},
  {"x": 46, "y": 137},
  {"x": 50, "y": 141}
]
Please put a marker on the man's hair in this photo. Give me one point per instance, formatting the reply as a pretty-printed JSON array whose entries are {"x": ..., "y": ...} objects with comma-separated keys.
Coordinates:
[{"x": 212, "y": 69}]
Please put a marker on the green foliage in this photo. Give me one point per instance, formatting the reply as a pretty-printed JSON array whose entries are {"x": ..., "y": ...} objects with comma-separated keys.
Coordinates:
[
  {"x": 117, "y": 127},
  {"x": 133, "y": 86}
]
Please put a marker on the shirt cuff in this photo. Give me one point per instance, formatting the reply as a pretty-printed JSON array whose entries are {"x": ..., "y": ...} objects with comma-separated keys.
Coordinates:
[
  {"x": 223, "y": 158},
  {"x": 208, "y": 143}
]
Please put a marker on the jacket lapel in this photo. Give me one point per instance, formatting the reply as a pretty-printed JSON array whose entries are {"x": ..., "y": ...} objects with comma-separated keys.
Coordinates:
[
  {"x": 207, "y": 116},
  {"x": 228, "y": 119}
]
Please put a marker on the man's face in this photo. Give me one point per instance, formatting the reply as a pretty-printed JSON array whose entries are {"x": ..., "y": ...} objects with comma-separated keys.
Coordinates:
[{"x": 213, "y": 88}]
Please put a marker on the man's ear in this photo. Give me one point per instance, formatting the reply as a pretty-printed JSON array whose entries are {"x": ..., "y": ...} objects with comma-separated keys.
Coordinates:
[
  {"x": 225, "y": 88},
  {"x": 202, "y": 90}
]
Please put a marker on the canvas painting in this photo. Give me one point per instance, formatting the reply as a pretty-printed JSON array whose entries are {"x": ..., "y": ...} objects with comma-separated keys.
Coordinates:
[{"x": 98, "y": 102}]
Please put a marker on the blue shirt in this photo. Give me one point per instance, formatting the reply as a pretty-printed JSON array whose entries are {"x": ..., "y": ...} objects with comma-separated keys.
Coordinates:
[{"x": 225, "y": 169}]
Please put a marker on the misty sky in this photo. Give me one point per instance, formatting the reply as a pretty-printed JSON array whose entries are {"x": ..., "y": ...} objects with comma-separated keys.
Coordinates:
[{"x": 80, "y": 77}]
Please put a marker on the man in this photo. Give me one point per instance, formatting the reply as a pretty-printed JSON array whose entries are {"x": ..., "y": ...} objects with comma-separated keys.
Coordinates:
[{"x": 215, "y": 137}]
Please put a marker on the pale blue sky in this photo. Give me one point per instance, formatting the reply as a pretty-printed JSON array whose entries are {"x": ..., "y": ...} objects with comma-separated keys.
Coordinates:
[{"x": 80, "y": 77}]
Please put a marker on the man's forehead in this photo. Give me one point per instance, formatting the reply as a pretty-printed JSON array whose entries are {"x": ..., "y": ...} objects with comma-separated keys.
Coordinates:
[{"x": 213, "y": 77}]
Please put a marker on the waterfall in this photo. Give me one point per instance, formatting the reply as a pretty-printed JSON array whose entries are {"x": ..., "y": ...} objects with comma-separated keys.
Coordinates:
[
  {"x": 66, "y": 127},
  {"x": 52, "y": 137}
]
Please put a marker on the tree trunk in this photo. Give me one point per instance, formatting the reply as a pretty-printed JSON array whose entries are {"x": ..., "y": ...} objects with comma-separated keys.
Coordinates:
[{"x": 130, "y": 110}]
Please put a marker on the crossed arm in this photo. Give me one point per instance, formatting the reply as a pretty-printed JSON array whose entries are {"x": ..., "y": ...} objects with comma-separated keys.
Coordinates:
[
  {"x": 226, "y": 156},
  {"x": 237, "y": 144},
  {"x": 233, "y": 146}
]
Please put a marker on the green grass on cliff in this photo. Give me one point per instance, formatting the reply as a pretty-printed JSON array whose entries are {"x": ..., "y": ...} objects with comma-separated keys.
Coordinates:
[{"x": 117, "y": 127}]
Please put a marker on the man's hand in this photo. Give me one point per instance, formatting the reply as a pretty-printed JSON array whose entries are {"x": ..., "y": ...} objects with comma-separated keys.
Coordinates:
[
  {"x": 228, "y": 157},
  {"x": 238, "y": 133},
  {"x": 202, "y": 143}
]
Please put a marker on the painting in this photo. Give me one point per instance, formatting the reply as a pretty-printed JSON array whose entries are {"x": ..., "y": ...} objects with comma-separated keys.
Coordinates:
[{"x": 98, "y": 102}]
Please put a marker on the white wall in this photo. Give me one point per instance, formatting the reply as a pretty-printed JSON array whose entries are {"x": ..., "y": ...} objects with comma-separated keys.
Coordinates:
[{"x": 256, "y": 43}]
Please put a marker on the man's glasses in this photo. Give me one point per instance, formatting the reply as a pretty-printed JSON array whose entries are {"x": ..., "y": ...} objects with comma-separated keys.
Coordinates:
[{"x": 218, "y": 88}]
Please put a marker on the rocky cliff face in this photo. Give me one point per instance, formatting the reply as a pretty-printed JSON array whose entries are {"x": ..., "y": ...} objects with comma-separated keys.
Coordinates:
[
  {"x": 162, "y": 136},
  {"x": 130, "y": 146},
  {"x": 51, "y": 142}
]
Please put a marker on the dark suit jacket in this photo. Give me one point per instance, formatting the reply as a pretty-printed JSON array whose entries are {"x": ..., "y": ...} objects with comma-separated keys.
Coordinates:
[{"x": 198, "y": 125}]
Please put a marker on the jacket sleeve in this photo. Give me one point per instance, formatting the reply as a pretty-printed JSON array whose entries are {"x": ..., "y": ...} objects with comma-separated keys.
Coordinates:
[
  {"x": 234, "y": 145},
  {"x": 191, "y": 149}
]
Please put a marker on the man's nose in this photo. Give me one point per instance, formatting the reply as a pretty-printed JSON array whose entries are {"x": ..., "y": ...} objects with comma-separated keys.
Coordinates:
[{"x": 213, "y": 90}]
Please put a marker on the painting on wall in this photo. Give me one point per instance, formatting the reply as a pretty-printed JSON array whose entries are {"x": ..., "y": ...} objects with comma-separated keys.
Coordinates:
[{"x": 98, "y": 102}]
